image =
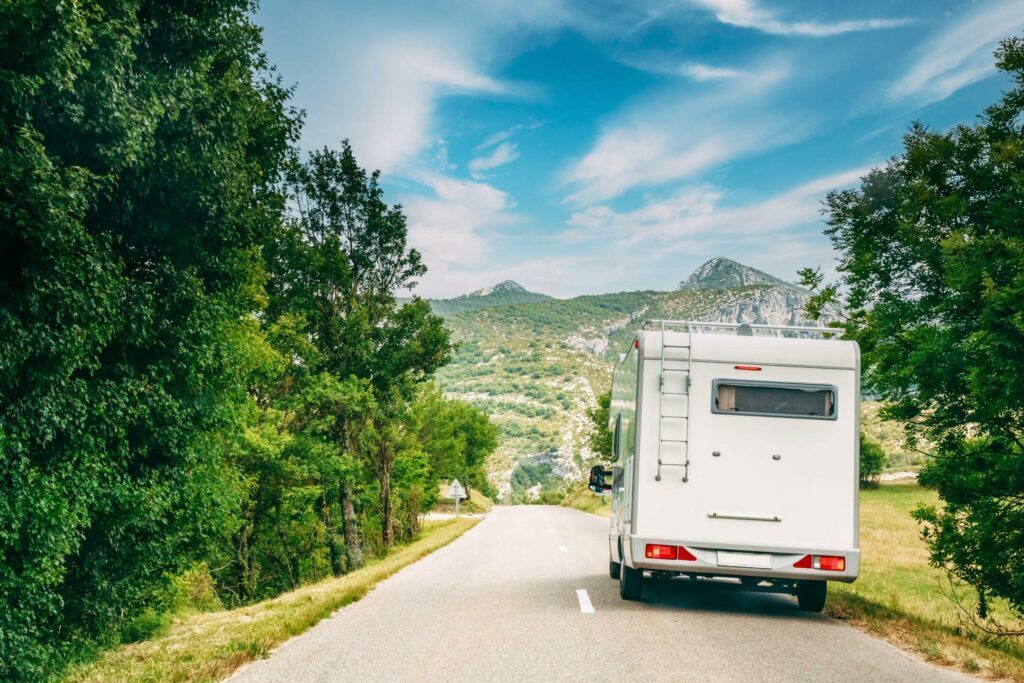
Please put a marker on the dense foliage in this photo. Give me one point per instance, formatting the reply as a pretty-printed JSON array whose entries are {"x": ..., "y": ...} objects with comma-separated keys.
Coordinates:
[
  {"x": 139, "y": 150},
  {"x": 194, "y": 371},
  {"x": 932, "y": 282}
]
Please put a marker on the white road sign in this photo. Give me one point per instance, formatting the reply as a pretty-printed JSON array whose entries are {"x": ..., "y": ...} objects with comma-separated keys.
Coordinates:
[{"x": 456, "y": 491}]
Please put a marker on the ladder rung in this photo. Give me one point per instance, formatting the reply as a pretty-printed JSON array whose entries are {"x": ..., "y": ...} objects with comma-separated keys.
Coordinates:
[
  {"x": 675, "y": 393},
  {"x": 673, "y": 440},
  {"x": 672, "y": 464}
]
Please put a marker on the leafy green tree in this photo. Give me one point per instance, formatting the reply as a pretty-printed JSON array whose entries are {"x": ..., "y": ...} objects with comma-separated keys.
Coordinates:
[
  {"x": 601, "y": 439},
  {"x": 932, "y": 283},
  {"x": 456, "y": 437},
  {"x": 140, "y": 150},
  {"x": 339, "y": 259},
  {"x": 872, "y": 460}
]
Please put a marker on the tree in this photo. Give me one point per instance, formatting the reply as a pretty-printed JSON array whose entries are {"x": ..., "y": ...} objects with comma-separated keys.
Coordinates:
[
  {"x": 456, "y": 437},
  {"x": 932, "y": 283},
  {"x": 600, "y": 439},
  {"x": 872, "y": 460},
  {"x": 339, "y": 259},
  {"x": 140, "y": 151}
]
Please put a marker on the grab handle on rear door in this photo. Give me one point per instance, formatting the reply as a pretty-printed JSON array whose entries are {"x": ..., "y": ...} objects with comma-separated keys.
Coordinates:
[{"x": 715, "y": 515}]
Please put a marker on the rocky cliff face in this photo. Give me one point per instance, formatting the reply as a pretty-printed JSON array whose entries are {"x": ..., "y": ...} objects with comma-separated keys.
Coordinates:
[
  {"x": 724, "y": 273},
  {"x": 772, "y": 306},
  {"x": 504, "y": 287}
]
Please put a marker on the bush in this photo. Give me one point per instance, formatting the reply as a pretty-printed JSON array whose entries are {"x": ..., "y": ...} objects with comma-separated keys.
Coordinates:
[{"x": 872, "y": 460}]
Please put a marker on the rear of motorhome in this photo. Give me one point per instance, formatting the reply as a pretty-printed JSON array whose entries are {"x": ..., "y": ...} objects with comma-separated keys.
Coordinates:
[{"x": 736, "y": 455}]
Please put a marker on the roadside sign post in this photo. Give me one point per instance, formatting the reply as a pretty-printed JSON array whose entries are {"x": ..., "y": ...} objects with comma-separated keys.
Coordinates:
[{"x": 458, "y": 493}]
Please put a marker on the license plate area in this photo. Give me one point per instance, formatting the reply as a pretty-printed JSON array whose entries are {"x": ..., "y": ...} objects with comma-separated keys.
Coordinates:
[{"x": 746, "y": 560}]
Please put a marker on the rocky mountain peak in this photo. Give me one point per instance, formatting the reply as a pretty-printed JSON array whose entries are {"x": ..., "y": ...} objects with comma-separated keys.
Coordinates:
[
  {"x": 504, "y": 287},
  {"x": 724, "y": 273}
]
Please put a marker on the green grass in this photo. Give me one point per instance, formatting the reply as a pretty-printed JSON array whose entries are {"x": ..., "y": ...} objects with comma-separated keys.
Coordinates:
[
  {"x": 585, "y": 500},
  {"x": 209, "y": 646},
  {"x": 897, "y": 595}
]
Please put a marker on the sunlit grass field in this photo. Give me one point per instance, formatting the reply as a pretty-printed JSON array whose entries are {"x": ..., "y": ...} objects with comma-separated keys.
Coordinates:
[{"x": 898, "y": 596}]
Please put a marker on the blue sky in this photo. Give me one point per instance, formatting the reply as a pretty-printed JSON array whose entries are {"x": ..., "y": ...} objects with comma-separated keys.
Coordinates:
[{"x": 583, "y": 147}]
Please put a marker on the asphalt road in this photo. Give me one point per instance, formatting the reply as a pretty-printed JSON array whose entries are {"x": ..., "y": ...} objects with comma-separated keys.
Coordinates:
[{"x": 502, "y": 604}]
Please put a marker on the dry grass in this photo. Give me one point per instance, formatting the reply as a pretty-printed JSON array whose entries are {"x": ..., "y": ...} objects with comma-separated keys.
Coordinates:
[
  {"x": 208, "y": 647},
  {"x": 477, "y": 503},
  {"x": 900, "y": 598}
]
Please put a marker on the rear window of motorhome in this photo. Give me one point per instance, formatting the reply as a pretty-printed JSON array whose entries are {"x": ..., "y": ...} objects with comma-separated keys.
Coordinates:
[{"x": 814, "y": 401}]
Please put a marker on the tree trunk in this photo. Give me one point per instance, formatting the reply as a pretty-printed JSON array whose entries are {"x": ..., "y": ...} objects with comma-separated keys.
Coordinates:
[
  {"x": 384, "y": 475},
  {"x": 335, "y": 548},
  {"x": 353, "y": 547}
]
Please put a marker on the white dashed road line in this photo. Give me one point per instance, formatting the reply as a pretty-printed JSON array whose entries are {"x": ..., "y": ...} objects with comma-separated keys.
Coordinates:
[{"x": 585, "y": 606}]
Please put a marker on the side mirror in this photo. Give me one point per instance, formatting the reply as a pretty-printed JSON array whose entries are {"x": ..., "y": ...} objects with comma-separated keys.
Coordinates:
[{"x": 599, "y": 479}]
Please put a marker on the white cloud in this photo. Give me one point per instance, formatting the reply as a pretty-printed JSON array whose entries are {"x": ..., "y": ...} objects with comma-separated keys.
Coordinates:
[
  {"x": 693, "y": 212},
  {"x": 504, "y": 153},
  {"x": 502, "y": 135},
  {"x": 603, "y": 222},
  {"x": 746, "y": 14},
  {"x": 705, "y": 72},
  {"x": 669, "y": 66},
  {"x": 677, "y": 136},
  {"x": 447, "y": 227},
  {"x": 961, "y": 53}
]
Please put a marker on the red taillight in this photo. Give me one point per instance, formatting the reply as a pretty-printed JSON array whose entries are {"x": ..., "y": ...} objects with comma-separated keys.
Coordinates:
[
  {"x": 830, "y": 563},
  {"x": 636, "y": 343},
  {"x": 685, "y": 555},
  {"x": 747, "y": 367},
  {"x": 661, "y": 552},
  {"x": 827, "y": 563}
]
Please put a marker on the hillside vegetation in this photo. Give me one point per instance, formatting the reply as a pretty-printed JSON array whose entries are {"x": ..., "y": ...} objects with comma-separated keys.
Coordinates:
[{"x": 536, "y": 366}]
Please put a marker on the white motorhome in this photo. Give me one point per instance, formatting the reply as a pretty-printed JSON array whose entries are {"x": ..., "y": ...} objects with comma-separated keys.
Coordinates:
[{"x": 737, "y": 455}]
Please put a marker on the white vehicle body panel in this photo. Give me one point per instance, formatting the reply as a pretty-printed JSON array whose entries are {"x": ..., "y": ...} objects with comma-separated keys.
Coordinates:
[{"x": 766, "y": 490}]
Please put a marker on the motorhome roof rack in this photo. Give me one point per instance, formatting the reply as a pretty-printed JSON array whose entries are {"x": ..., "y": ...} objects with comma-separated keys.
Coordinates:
[{"x": 746, "y": 328}]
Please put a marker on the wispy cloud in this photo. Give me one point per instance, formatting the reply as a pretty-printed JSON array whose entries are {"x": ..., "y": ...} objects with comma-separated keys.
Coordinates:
[
  {"x": 705, "y": 72},
  {"x": 694, "y": 212},
  {"x": 694, "y": 71},
  {"x": 504, "y": 153},
  {"x": 747, "y": 14},
  {"x": 447, "y": 227},
  {"x": 676, "y": 136},
  {"x": 960, "y": 53},
  {"x": 502, "y": 135}
]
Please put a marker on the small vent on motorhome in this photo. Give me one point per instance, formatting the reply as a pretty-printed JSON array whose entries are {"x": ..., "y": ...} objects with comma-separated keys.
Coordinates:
[{"x": 814, "y": 401}]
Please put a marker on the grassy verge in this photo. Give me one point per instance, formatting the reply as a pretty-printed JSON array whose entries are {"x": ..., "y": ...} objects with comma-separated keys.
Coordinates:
[
  {"x": 209, "y": 646},
  {"x": 897, "y": 595},
  {"x": 585, "y": 500},
  {"x": 900, "y": 598}
]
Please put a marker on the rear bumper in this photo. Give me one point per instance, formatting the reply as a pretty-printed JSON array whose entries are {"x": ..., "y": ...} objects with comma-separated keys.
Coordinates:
[{"x": 707, "y": 563}]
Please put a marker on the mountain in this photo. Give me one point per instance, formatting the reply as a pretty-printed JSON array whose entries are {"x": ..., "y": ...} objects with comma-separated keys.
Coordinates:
[
  {"x": 724, "y": 273},
  {"x": 503, "y": 293},
  {"x": 536, "y": 364}
]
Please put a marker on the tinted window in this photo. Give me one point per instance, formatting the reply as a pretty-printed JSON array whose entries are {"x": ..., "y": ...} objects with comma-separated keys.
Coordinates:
[{"x": 764, "y": 398}]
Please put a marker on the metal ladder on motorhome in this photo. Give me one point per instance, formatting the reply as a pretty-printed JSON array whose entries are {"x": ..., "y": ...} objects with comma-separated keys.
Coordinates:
[{"x": 682, "y": 396}]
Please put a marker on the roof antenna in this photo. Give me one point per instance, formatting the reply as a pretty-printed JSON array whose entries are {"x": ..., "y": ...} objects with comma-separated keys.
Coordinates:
[{"x": 745, "y": 330}]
